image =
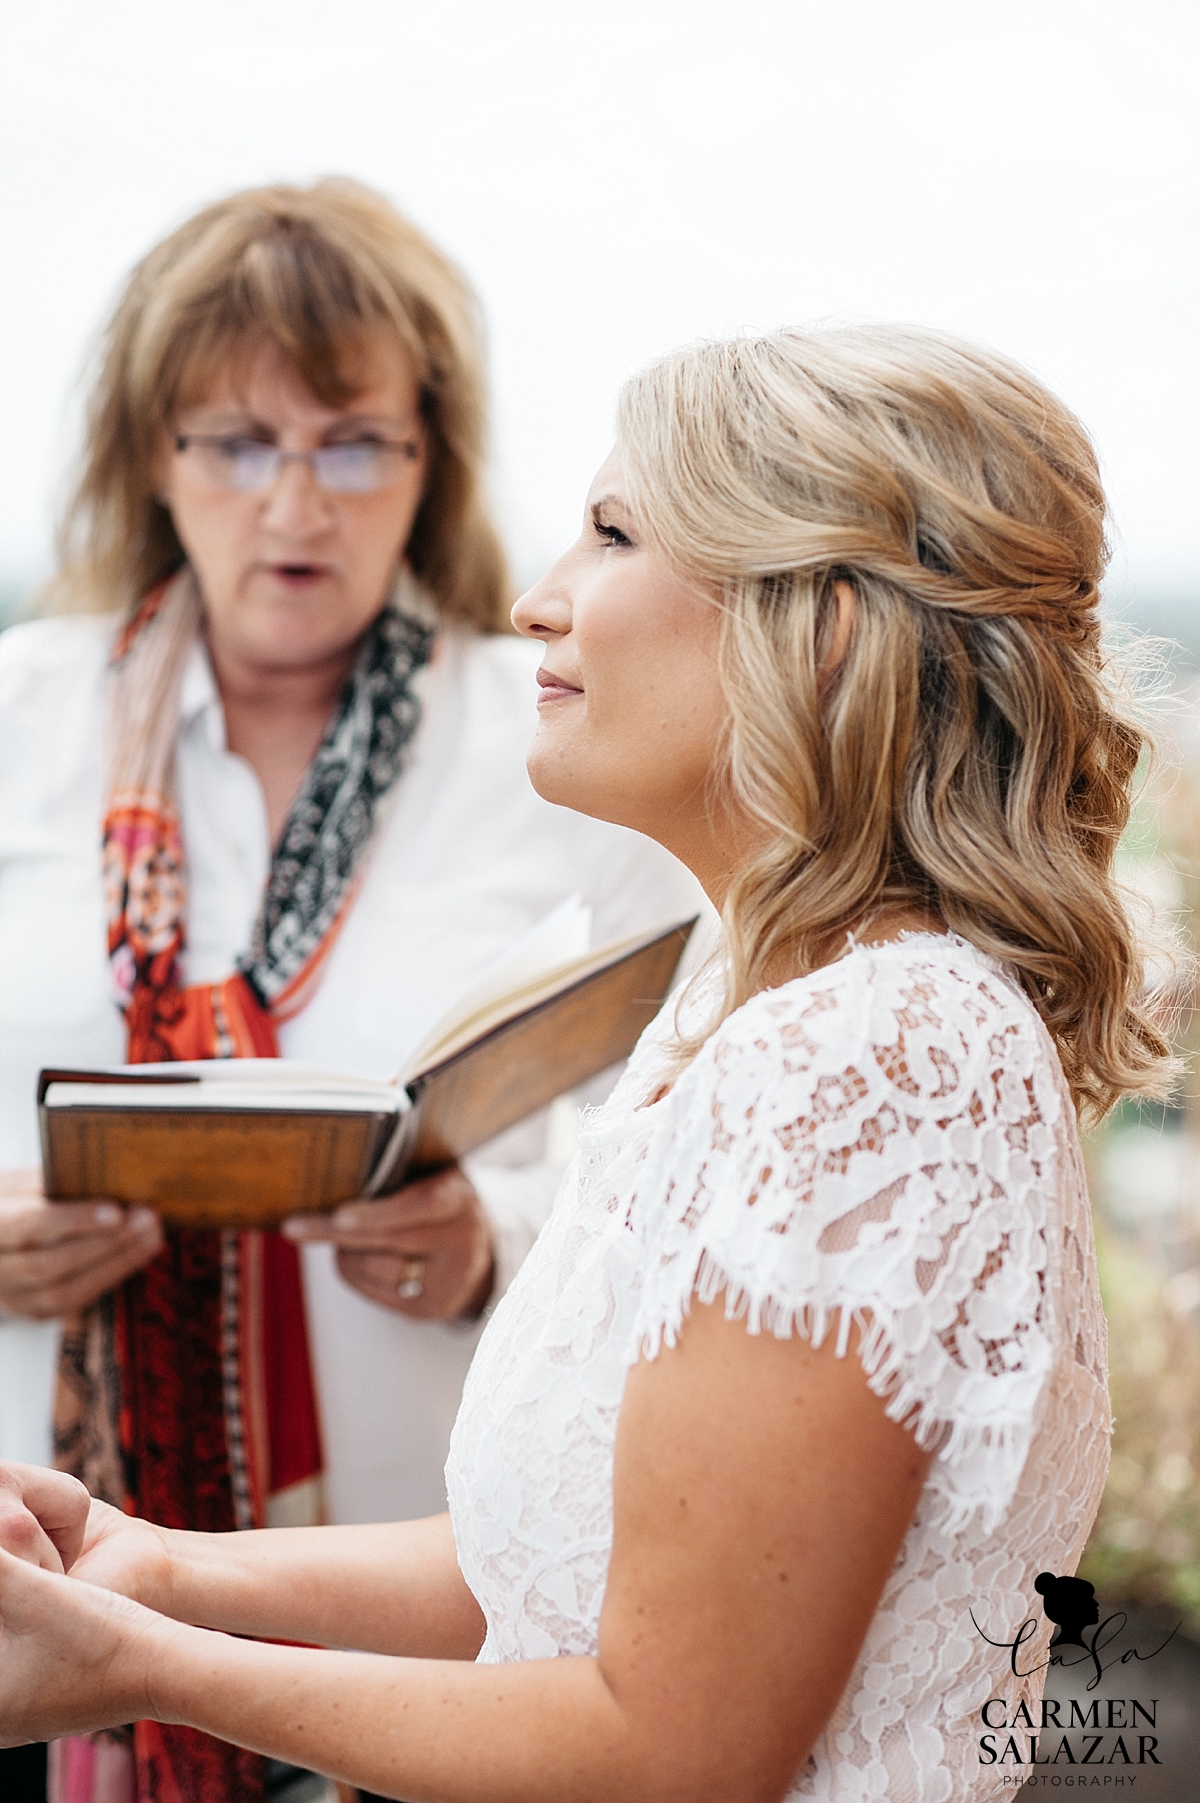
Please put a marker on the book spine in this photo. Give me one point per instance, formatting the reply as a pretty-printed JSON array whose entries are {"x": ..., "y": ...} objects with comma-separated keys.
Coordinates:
[{"x": 393, "y": 1159}]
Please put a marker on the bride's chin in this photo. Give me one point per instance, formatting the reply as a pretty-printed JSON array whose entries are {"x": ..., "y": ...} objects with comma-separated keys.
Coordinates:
[
  {"x": 569, "y": 783},
  {"x": 551, "y": 778}
]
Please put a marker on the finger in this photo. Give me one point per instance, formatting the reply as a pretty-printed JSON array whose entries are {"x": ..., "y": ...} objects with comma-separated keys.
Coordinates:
[
  {"x": 61, "y": 1504},
  {"x": 22, "y": 1535},
  {"x": 429, "y": 1202},
  {"x": 410, "y": 1242},
  {"x": 48, "y": 1267},
  {"x": 384, "y": 1291},
  {"x": 376, "y": 1223},
  {"x": 41, "y": 1223},
  {"x": 431, "y": 1239},
  {"x": 362, "y": 1226},
  {"x": 312, "y": 1228},
  {"x": 383, "y": 1271},
  {"x": 37, "y": 1267},
  {"x": 451, "y": 1285},
  {"x": 372, "y": 1220},
  {"x": 87, "y": 1286}
]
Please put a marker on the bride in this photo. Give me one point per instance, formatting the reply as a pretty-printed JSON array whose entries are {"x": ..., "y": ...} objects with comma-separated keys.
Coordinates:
[{"x": 804, "y": 1382}]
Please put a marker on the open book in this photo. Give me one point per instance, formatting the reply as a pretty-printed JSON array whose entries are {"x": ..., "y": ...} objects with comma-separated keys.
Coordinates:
[{"x": 244, "y": 1142}]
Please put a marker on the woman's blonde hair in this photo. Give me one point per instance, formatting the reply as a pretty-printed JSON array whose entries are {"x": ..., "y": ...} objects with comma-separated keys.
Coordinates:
[
  {"x": 315, "y": 271},
  {"x": 972, "y": 757}
]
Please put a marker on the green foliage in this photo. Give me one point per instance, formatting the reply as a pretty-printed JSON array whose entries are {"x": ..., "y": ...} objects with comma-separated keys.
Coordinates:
[
  {"x": 1145, "y": 1547},
  {"x": 1144, "y": 1173}
]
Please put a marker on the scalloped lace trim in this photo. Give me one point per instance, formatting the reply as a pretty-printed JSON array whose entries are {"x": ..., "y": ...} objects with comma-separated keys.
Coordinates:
[{"x": 985, "y": 1456}]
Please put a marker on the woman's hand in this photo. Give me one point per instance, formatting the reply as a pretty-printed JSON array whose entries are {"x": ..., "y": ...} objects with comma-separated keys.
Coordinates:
[
  {"x": 761, "y": 1496},
  {"x": 425, "y": 1251},
  {"x": 72, "y": 1658},
  {"x": 43, "y": 1516},
  {"x": 48, "y": 1519},
  {"x": 57, "y": 1257},
  {"x": 127, "y": 1555}
]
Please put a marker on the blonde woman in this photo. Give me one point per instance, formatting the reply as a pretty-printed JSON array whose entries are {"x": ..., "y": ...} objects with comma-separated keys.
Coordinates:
[
  {"x": 805, "y": 1377},
  {"x": 262, "y": 791}
]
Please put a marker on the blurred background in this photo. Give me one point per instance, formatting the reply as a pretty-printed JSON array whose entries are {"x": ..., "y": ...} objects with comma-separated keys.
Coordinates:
[{"x": 617, "y": 179}]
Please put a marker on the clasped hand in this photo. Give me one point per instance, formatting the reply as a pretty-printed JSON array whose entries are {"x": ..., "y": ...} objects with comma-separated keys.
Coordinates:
[{"x": 72, "y": 1652}]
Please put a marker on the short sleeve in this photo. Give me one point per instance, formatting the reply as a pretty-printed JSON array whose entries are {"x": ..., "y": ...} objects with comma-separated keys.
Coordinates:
[{"x": 879, "y": 1144}]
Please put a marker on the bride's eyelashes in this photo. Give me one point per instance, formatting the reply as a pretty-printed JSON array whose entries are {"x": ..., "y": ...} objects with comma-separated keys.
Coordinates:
[{"x": 611, "y": 534}]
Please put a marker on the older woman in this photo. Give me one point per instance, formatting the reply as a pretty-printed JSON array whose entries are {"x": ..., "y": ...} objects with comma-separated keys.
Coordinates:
[
  {"x": 288, "y": 716},
  {"x": 803, "y": 1384}
]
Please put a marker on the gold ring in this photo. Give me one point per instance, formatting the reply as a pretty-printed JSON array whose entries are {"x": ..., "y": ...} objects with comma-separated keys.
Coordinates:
[{"x": 412, "y": 1274}]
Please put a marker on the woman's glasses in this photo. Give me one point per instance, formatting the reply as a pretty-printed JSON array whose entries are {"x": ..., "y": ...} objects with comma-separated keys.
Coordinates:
[{"x": 248, "y": 466}]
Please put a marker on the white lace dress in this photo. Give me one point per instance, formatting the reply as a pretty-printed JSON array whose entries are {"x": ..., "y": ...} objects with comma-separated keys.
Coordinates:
[{"x": 889, "y": 1140}]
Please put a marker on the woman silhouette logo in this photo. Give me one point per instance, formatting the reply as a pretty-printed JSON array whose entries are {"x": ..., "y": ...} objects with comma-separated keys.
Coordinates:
[{"x": 1071, "y": 1604}]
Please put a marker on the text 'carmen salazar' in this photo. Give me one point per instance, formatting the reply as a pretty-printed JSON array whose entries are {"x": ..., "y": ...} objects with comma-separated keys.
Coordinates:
[{"x": 1021, "y": 1739}]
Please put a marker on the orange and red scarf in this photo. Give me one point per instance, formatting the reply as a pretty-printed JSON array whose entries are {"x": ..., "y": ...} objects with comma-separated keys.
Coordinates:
[{"x": 187, "y": 1397}]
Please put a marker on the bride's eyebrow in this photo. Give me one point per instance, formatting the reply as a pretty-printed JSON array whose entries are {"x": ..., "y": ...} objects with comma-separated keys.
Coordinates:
[{"x": 608, "y": 503}]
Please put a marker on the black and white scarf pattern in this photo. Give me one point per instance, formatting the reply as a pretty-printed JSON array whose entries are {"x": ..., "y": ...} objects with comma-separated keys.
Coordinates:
[{"x": 333, "y": 816}]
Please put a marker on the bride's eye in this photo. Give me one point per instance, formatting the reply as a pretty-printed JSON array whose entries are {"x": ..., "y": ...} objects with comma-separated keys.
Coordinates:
[{"x": 612, "y": 534}]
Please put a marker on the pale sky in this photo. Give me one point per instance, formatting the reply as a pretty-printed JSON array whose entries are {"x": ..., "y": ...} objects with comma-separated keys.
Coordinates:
[{"x": 619, "y": 179}]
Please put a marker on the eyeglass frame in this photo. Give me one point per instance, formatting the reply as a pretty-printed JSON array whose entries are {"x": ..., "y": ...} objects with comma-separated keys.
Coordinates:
[{"x": 410, "y": 449}]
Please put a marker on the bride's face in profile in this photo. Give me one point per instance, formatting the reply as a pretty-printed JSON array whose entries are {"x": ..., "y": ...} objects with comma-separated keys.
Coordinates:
[{"x": 630, "y": 709}]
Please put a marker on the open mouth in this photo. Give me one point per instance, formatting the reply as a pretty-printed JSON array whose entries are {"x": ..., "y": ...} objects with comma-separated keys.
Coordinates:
[{"x": 297, "y": 572}]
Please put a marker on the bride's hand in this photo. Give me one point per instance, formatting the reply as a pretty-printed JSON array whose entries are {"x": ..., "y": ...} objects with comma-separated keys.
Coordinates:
[
  {"x": 48, "y": 1519},
  {"x": 72, "y": 1658},
  {"x": 127, "y": 1555},
  {"x": 43, "y": 1515}
]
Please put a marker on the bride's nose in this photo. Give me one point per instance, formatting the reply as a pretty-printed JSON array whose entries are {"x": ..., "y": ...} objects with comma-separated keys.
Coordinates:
[{"x": 543, "y": 612}]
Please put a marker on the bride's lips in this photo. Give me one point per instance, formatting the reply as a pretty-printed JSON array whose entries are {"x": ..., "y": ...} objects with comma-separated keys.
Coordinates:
[{"x": 555, "y": 688}]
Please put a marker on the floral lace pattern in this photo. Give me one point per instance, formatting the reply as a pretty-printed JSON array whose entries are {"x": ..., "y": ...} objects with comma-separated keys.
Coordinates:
[{"x": 888, "y": 1141}]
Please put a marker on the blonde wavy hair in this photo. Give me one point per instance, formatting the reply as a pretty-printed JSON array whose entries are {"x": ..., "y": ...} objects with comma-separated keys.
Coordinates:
[
  {"x": 972, "y": 758},
  {"x": 315, "y": 271}
]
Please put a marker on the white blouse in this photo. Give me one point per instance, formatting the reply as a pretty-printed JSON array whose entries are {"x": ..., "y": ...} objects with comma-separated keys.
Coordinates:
[
  {"x": 465, "y": 859},
  {"x": 888, "y": 1141}
]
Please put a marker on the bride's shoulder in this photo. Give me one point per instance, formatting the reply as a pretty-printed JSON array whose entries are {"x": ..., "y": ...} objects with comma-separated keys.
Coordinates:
[
  {"x": 884, "y": 1138},
  {"x": 923, "y": 1027},
  {"x": 925, "y": 1016}
]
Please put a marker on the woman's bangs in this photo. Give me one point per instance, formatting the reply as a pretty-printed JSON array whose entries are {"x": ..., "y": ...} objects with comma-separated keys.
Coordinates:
[{"x": 291, "y": 291}]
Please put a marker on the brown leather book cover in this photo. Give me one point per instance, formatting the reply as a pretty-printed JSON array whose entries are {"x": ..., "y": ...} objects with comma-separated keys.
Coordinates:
[{"x": 245, "y": 1167}]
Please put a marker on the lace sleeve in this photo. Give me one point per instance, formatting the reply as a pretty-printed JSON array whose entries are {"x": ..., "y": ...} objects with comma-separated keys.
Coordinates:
[{"x": 878, "y": 1144}]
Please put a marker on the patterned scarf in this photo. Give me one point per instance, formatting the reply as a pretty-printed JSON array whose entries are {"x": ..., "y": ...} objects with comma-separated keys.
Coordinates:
[{"x": 187, "y": 1396}]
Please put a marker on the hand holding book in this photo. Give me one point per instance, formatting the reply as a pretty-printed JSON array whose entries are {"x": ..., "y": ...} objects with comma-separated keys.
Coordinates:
[
  {"x": 426, "y": 1251},
  {"x": 245, "y": 1143},
  {"x": 56, "y": 1259}
]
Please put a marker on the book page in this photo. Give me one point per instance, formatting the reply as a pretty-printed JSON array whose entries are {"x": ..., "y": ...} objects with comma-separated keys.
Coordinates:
[
  {"x": 558, "y": 939},
  {"x": 519, "y": 1001},
  {"x": 226, "y": 1083},
  {"x": 233, "y": 1098}
]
